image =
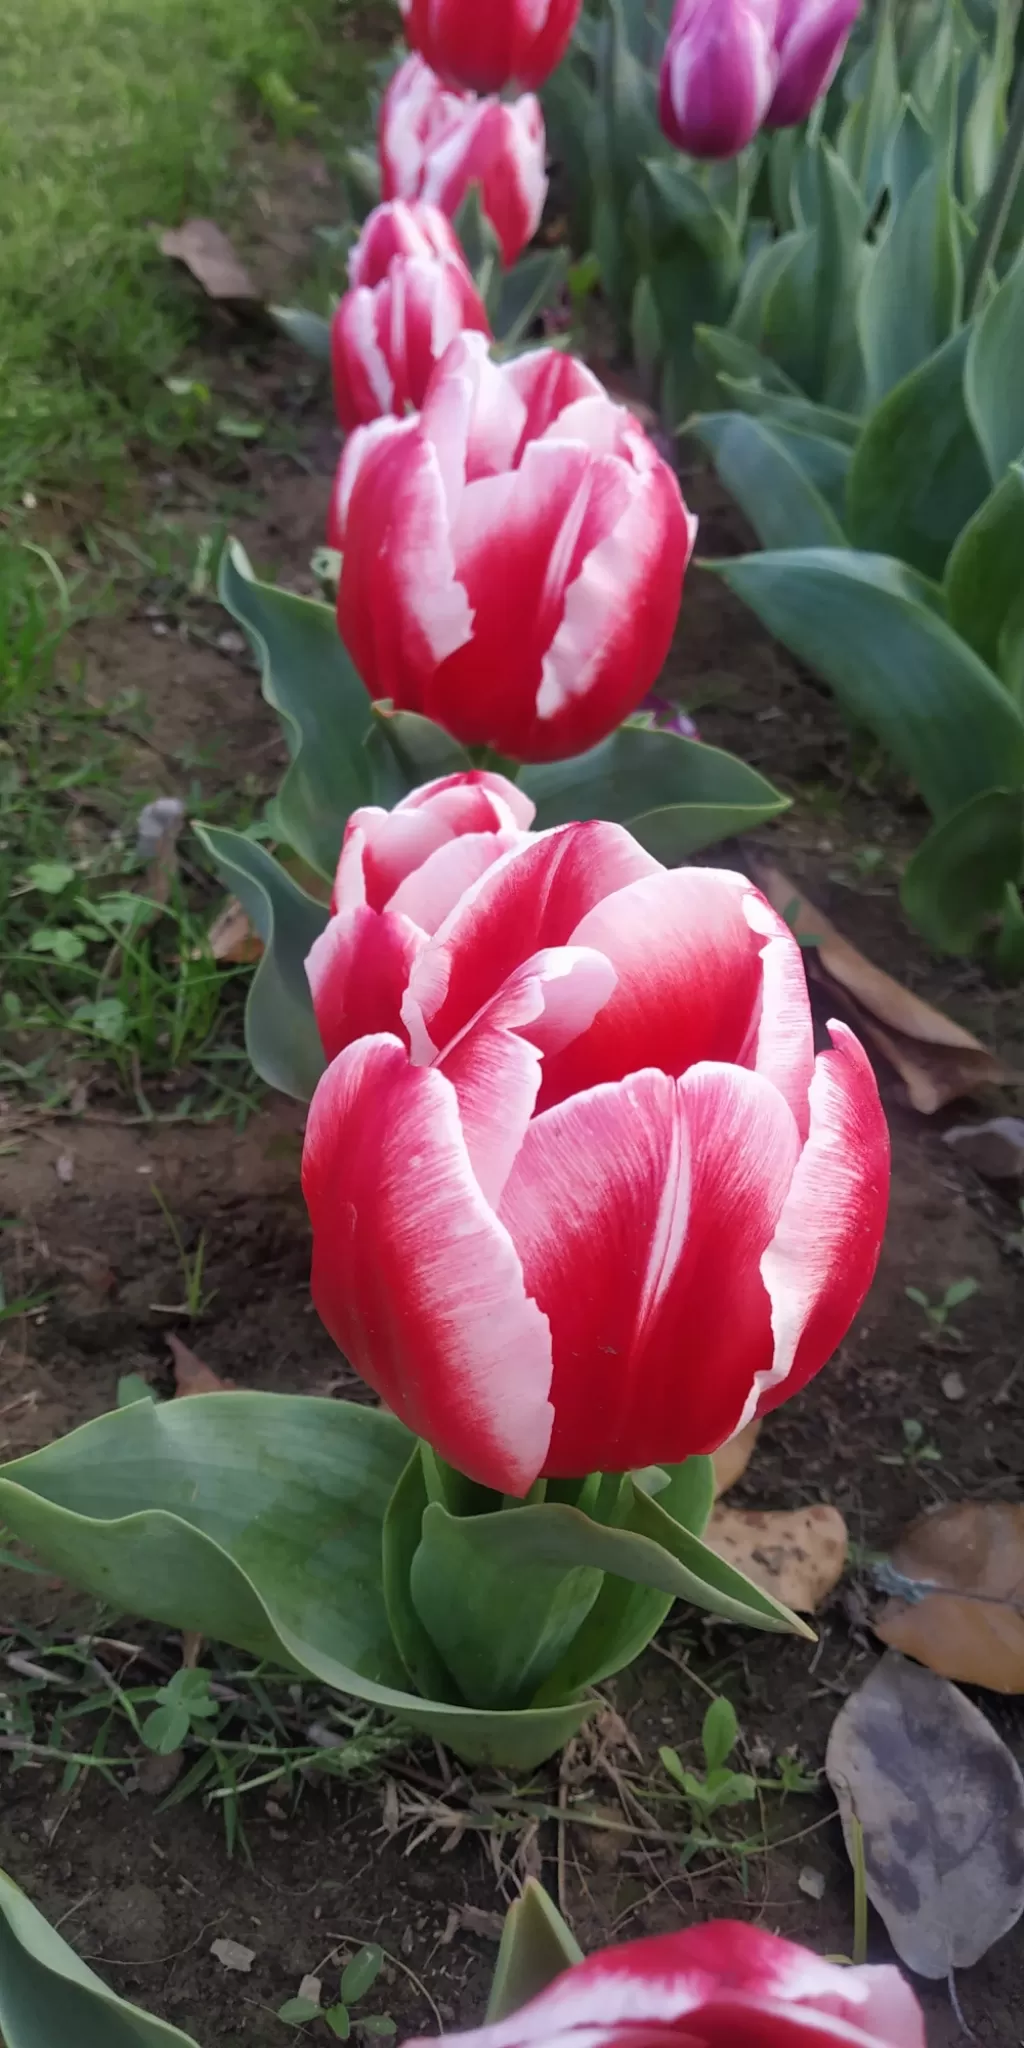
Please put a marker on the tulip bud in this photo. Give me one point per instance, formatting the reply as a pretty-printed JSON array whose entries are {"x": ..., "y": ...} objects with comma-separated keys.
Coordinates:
[
  {"x": 411, "y": 295},
  {"x": 718, "y": 74},
  {"x": 435, "y": 145},
  {"x": 483, "y": 45},
  {"x": 810, "y": 38},
  {"x": 513, "y": 557}
]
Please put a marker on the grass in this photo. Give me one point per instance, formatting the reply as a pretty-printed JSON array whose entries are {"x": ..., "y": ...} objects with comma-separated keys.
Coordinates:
[{"x": 115, "y": 116}]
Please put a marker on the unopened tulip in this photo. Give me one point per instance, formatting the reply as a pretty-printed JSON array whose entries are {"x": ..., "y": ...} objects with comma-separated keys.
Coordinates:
[
  {"x": 435, "y": 145},
  {"x": 722, "y": 1985},
  {"x": 399, "y": 875},
  {"x": 483, "y": 45},
  {"x": 810, "y": 37},
  {"x": 411, "y": 294},
  {"x": 600, "y": 1204},
  {"x": 513, "y": 556},
  {"x": 718, "y": 74}
]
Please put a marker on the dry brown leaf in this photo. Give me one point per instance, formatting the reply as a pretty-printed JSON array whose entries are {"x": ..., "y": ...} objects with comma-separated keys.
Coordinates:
[
  {"x": 731, "y": 1460},
  {"x": 936, "y": 1058},
  {"x": 797, "y": 1554},
  {"x": 204, "y": 249},
  {"x": 974, "y": 1631},
  {"x": 231, "y": 936},
  {"x": 191, "y": 1375},
  {"x": 232, "y": 1956}
]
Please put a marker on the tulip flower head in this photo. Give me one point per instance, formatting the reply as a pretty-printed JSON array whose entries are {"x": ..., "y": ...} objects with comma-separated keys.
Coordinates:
[
  {"x": 810, "y": 37},
  {"x": 722, "y": 1985},
  {"x": 483, "y": 45},
  {"x": 513, "y": 556},
  {"x": 435, "y": 145},
  {"x": 718, "y": 74},
  {"x": 597, "y": 1204},
  {"x": 400, "y": 874},
  {"x": 411, "y": 294}
]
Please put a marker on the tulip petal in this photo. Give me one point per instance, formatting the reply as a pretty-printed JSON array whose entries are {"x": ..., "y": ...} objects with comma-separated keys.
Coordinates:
[
  {"x": 641, "y": 1211},
  {"x": 822, "y": 1258},
  {"x": 396, "y": 843},
  {"x": 431, "y": 893},
  {"x": 414, "y": 1276},
  {"x": 533, "y": 898},
  {"x": 512, "y": 805},
  {"x": 357, "y": 971},
  {"x": 783, "y": 1043}
]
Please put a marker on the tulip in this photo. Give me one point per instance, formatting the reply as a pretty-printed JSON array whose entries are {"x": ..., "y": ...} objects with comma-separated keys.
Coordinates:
[
  {"x": 600, "y": 1205},
  {"x": 435, "y": 145},
  {"x": 722, "y": 1985},
  {"x": 513, "y": 556},
  {"x": 483, "y": 45},
  {"x": 411, "y": 294},
  {"x": 400, "y": 874},
  {"x": 810, "y": 38},
  {"x": 718, "y": 74}
]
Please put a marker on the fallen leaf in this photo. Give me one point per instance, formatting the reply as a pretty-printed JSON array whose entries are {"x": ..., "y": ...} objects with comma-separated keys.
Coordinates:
[
  {"x": 204, "y": 249},
  {"x": 731, "y": 1460},
  {"x": 995, "y": 1149},
  {"x": 936, "y": 1058},
  {"x": 192, "y": 1375},
  {"x": 812, "y": 1882},
  {"x": 940, "y": 1801},
  {"x": 798, "y": 1554},
  {"x": 963, "y": 1611},
  {"x": 311, "y": 1990},
  {"x": 232, "y": 1956},
  {"x": 231, "y": 936}
]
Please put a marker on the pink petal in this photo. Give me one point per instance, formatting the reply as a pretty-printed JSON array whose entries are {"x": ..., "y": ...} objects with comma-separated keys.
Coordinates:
[
  {"x": 641, "y": 1211},
  {"x": 549, "y": 381},
  {"x": 357, "y": 971},
  {"x": 417, "y": 1281},
  {"x": 398, "y": 229},
  {"x": 822, "y": 1258},
  {"x": 783, "y": 1043},
  {"x": 364, "y": 386},
  {"x": 533, "y": 898},
  {"x": 512, "y": 804},
  {"x": 397, "y": 842},
  {"x": 430, "y": 894}
]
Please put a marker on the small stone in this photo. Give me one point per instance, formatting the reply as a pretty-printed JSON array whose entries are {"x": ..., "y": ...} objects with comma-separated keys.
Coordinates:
[
  {"x": 953, "y": 1386},
  {"x": 65, "y": 1168},
  {"x": 812, "y": 1882},
  {"x": 232, "y": 1956},
  {"x": 995, "y": 1149},
  {"x": 311, "y": 1989}
]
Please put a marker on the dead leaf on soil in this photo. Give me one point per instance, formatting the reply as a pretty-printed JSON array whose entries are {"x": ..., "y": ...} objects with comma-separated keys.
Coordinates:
[
  {"x": 232, "y": 1956},
  {"x": 731, "y": 1460},
  {"x": 204, "y": 249},
  {"x": 971, "y": 1627},
  {"x": 940, "y": 1801},
  {"x": 936, "y": 1058},
  {"x": 231, "y": 936},
  {"x": 798, "y": 1554},
  {"x": 995, "y": 1148},
  {"x": 192, "y": 1375}
]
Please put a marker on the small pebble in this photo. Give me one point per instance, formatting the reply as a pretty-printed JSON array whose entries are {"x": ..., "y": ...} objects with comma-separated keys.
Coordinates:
[
  {"x": 953, "y": 1386},
  {"x": 812, "y": 1882}
]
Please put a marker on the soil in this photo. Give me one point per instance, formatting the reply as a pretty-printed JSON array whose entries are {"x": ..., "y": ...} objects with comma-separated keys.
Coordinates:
[{"x": 143, "y": 1893}]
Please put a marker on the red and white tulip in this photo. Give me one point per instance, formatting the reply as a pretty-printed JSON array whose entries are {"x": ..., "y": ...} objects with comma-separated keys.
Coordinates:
[
  {"x": 400, "y": 874},
  {"x": 410, "y": 294},
  {"x": 722, "y": 1985},
  {"x": 435, "y": 144},
  {"x": 513, "y": 556},
  {"x": 598, "y": 1204},
  {"x": 483, "y": 45}
]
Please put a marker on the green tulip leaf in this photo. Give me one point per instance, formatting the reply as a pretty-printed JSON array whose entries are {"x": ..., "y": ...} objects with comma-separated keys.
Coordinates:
[
  {"x": 50, "y": 1999},
  {"x": 874, "y": 115},
  {"x": 870, "y": 629},
  {"x": 310, "y": 330},
  {"x": 781, "y": 409},
  {"x": 728, "y": 355},
  {"x": 536, "y": 1947},
  {"x": 769, "y": 472},
  {"x": 985, "y": 579},
  {"x": 256, "y": 1521},
  {"x": 676, "y": 795},
  {"x": 310, "y": 682},
  {"x": 521, "y": 294},
  {"x": 954, "y": 887},
  {"x": 402, "y": 1530},
  {"x": 917, "y": 473},
  {"x": 281, "y": 1034},
  {"x": 910, "y": 294},
  {"x": 993, "y": 379},
  {"x": 421, "y": 750}
]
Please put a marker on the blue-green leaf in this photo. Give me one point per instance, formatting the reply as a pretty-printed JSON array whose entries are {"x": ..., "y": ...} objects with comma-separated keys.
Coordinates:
[
  {"x": 676, "y": 795},
  {"x": 955, "y": 885},
  {"x": 910, "y": 294},
  {"x": 49, "y": 1998},
  {"x": 985, "y": 579},
  {"x": 917, "y": 473},
  {"x": 281, "y": 1036},
  {"x": 994, "y": 373},
  {"x": 761, "y": 466}
]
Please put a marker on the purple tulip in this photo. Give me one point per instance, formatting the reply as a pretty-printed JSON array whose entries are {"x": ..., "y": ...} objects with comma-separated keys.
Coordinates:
[
  {"x": 810, "y": 37},
  {"x": 718, "y": 75}
]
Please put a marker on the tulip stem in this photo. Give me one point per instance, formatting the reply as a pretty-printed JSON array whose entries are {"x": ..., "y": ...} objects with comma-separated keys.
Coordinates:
[
  {"x": 1000, "y": 197},
  {"x": 860, "y": 1896}
]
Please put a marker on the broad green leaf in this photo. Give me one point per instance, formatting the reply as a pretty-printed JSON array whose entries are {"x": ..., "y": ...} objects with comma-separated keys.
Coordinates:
[
  {"x": 422, "y": 750},
  {"x": 310, "y": 682},
  {"x": 994, "y": 373},
  {"x": 310, "y": 330},
  {"x": 955, "y": 885},
  {"x": 402, "y": 1530},
  {"x": 874, "y": 115},
  {"x": 281, "y": 1035},
  {"x": 50, "y": 1999},
  {"x": 917, "y": 473},
  {"x": 778, "y": 409},
  {"x": 360, "y": 1975},
  {"x": 693, "y": 264},
  {"x": 522, "y": 293},
  {"x": 479, "y": 240},
  {"x": 536, "y": 1946},
  {"x": 909, "y": 298},
  {"x": 771, "y": 485},
  {"x": 910, "y": 154},
  {"x": 749, "y": 321},
  {"x": 985, "y": 579},
  {"x": 869, "y": 628},
  {"x": 254, "y": 1521},
  {"x": 838, "y": 375},
  {"x": 676, "y": 795},
  {"x": 726, "y": 353}
]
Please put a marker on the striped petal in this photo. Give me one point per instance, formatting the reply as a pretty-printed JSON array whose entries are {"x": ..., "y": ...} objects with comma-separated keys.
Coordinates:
[
  {"x": 414, "y": 1276},
  {"x": 357, "y": 971}
]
